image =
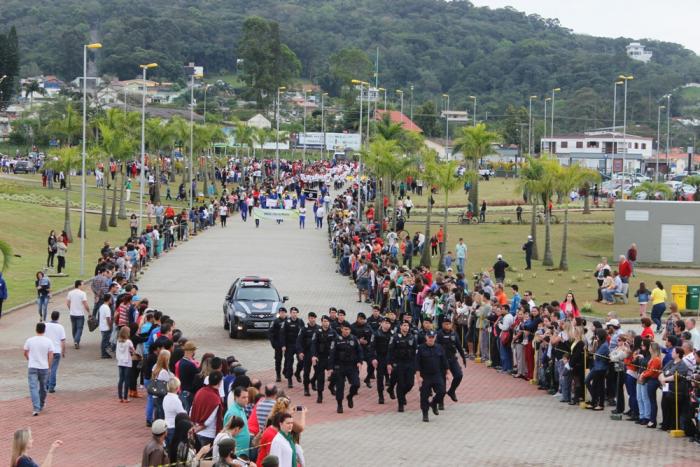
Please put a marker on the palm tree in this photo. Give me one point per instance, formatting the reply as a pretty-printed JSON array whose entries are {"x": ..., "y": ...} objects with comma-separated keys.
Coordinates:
[
  {"x": 30, "y": 89},
  {"x": 159, "y": 135},
  {"x": 548, "y": 186},
  {"x": 181, "y": 130},
  {"x": 654, "y": 190},
  {"x": 529, "y": 186},
  {"x": 429, "y": 162},
  {"x": 694, "y": 181},
  {"x": 68, "y": 127},
  {"x": 64, "y": 159},
  {"x": 381, "y": 159},
  {"x": 387, "y": 129},
  {"x": 6, "y": 252},
  {"x": 447, "y": 180},
  {"x": 244, "y": 135},
  {"x": 570, "y": 178},
  {"x": 475, "y": 143}
]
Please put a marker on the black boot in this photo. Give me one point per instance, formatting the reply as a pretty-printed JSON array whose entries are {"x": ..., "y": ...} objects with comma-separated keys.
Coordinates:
[
  {"x": 279, "y": 378},
  {"x": 452, "y": 396},
  {"x": 381, "y": 399},
  {"x": 400, "y": 407},
  {"x": 306, "y": 392},
  {"x": 390, "y": 390},
  {"x": 331, "y": 388},
  {"x": 340, "y": 407},
  {"x": 425, "y": 416},
  {"x": 368, "y": 382},
  {"x": 441, "y": 406},
  {"x": 298, "y": 376},
  {"x": 313, "y": 385},
  {"x": 350, "y": 403},
  {"x": 289, "y": 383},
  {"x": 434, "y": 406},
  {"x": 319, "y": 398}
]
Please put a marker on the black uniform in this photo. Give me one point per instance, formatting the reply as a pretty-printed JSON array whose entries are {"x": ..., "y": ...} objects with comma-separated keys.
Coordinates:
[
  {"x": 304, "y": 339},
  {"x": 451, "y": 345},
  {"x": 432, "y": 364},
  {"x": 374, "y": 322},
  {"x": 321, "y": 349},
  {"x": 380, "y": 350},
  {"x": 345, "y": 355},
  {"x": 364, "y": 332},
  {"x": 402, "y": 357},
  {"x": 289, "y": 331},
  {"x": 274, "y": 336}
]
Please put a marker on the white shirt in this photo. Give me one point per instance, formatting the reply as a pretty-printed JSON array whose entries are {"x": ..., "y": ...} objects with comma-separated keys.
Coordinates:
[
  {"x": 76, "y": 299},
  {"x": 39, "y": 348},
  {"x": 223, "y": 210},
  {"x": 56, "y": 333},
  {"x": 123, "y": 352},
  {"x": 103, "y": 313},
  {"x": 209, "y": 430},
  {"x": 695, "y": 338},
  {"x": 172, "y": 405}
]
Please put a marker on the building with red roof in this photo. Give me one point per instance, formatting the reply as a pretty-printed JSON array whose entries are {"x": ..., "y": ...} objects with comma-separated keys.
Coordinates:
[{"x": 397, "y": 117}]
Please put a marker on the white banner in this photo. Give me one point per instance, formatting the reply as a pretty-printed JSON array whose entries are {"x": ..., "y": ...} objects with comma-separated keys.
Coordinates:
[
  {"x": 275, "y": 214},
  {"x": 333, "y": 140}
]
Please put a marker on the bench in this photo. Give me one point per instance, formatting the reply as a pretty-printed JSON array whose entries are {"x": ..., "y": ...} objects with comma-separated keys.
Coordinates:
[{"x": 620, "y": 297}]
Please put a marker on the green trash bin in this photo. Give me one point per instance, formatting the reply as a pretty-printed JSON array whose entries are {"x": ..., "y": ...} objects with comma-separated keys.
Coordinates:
[{"x": 693, "y": 298}]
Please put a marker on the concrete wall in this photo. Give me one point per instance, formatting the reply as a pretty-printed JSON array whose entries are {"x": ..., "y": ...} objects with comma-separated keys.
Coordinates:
[{"x": 647, "y": 222}]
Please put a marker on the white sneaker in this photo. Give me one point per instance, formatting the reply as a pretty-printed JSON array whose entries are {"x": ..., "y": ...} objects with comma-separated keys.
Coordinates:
[{"x": 556, "y": 395}]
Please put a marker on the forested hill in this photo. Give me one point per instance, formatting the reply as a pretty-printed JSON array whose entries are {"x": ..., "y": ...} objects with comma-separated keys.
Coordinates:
[{"x": 500, "y": 55}]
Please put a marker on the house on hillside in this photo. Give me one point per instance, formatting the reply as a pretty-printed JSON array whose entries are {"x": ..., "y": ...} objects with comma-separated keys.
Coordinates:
[
  {"x": 603, "y": 150},
  {"x": 259, "y": 121},
  {"x": 636, "y": 51},
  {"x": 397, "y": 117}
]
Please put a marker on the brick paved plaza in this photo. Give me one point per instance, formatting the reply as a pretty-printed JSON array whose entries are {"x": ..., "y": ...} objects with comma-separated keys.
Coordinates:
[{"x": 498, "y": 421}]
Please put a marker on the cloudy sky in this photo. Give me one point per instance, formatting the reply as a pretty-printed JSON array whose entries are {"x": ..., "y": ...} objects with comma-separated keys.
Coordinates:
[{"x": 670, "y": 20}]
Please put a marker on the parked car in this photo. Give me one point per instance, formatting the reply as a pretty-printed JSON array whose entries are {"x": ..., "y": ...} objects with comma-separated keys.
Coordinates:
[
  {"x": 22, "y": 167},
  {"x": 250, "y": 306}
]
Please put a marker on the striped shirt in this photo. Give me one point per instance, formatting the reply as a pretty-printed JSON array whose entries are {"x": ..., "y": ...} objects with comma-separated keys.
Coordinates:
[{"x": 263, "y": 410}]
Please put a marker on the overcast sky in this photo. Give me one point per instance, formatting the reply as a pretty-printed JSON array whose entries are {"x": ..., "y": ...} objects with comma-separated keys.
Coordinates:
[{"x": 670, "y": 20}]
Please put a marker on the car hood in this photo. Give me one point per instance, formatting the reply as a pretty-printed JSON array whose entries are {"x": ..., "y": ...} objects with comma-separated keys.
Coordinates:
[{"x": 257, "y": 307}]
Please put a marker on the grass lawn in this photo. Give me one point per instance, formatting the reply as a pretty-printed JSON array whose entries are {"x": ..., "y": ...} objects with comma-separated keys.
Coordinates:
[
  {"x": 30, "y": 212},
  {"x": 587, "y": 243}
]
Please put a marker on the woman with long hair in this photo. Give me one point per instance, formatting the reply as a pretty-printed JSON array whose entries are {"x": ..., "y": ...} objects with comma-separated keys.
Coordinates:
[
  {"x": 51, "y": 242},
  {"x": 161, "y": 371},
  {"x": 649, "y": 380},
  {"x": 43, "y": 294},
  {"x": 658, "y": 304},
  {"x": 569, "y": 306},
  {"x": 21, "y": 443},
  {"x": 182, "y": 447}
]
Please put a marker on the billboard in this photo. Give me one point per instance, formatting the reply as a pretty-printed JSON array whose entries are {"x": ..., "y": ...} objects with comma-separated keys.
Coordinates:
[{"x": 333, "y": 140}]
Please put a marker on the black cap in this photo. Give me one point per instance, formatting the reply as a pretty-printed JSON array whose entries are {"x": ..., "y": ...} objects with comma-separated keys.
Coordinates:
[
  {"x": 361, "y": 315},
  {"x": 345, "y": 324},
  {"x": 312, "y": 314},
  {"x": 294, "y": 309},
  {"x": 430, "y": 334},
  {"x": 282, "y": 309}
]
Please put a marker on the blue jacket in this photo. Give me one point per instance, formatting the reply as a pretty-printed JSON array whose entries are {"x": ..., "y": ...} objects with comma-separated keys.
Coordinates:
[
  {"x": 601, "y": 358},
  {"x": 3, "y": 288}
]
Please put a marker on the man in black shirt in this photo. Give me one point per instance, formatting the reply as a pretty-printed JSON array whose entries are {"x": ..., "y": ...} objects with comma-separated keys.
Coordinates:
[
  {"x": 363, "y": 332},
  {"x": 274, "y": 336},
  {"x": 451, "y": 344},
  {"x": 432, "y": 365},
  {"x": 379, "y": 348},
  {"x": 186, "y": 370},
  {"x": 320, "y": 351},
  {"x": 375, "y": 318},
  {"x": 346, "y": 360},
  {"x": 304, "y": 340},
  {"x": 289, "y": 331},
  {"x": 499, "y": 269},
  {"x": 401, "y": 359}
]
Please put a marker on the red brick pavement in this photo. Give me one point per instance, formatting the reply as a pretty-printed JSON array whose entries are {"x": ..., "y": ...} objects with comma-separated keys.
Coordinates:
[{"x": 97, "y": 430}]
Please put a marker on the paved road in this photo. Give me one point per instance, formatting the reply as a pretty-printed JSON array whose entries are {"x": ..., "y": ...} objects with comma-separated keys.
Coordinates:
[{"x": 498, "y": 421}]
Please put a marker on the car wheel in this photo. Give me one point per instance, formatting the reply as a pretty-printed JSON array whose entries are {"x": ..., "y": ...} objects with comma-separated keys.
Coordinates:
[
  {"x": 226, "y": 325},
  {"x": 232, "y": 331}
]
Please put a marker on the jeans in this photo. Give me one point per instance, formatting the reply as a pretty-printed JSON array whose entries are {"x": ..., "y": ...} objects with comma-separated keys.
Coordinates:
[
  {"x": 123, "y": 383},
  {"x": 651, "y": 387},
  {"x": 643, "y": 402},
  {"x": 460, "y": 264},
  {"x": 149, "y": 402},
  {"x": 43, "y": 302},
  {"x": 657, "y": 311},
  {"x": 506, "y": 356},
  {"x": 608, "y": 295},
  {"x": 53, "y": 371},
  {"x": 37, "y": 387},
  {"x": 77, "y": 323},
  {"x": 565, "y": 384},
  {"x": 104, "y": 345},
  {"x": 630, "y": 385}
]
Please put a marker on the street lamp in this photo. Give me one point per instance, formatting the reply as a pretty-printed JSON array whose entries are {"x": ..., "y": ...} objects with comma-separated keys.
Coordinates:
[
  {"x": 83, "y": 187},
  {"x": 400, "y": 93},
  {"x": 447, "y": 124},
  {"x": 529, "y": 128},
  {"x": 206, "y": 88},
  {"x": 357, "y": 82},
  {"x": 323, "y": 123},
  {"x": 277, "y": 137},
  {"x": 624, "y": 132},
  {"x": 668, "y": 130},
  {"x": 193, "y": 184},
  {"x": 658, "y": 141},
  {"x": 143, "y": 139},
  {"x": 474, "y": 114},
  {"x": 384, "y": 91},
  {"x": 411, "y": 105},
  {"x": 614, "y": 125},
  {"x": 544, "y": 134},
  {"x": 303, "y": 153},
  {"x": 551, "y": 131}
]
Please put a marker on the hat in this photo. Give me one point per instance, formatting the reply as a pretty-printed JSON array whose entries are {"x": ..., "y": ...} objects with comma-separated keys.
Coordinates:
[
  {"x": 361, "y": 315},
  {"x": 189, "y": 347},
  {"x": 529, "y": 237},
  {"x": 239, "y": 370},
  {"x": 430, "y": 334},
  {"x": 613, "y": 322},
  {"x": 159, "y": 427},
  {"x": 449, "y": 269},
  {"x": 135, "y": 298},
  {"x": 499, "y": 257}
]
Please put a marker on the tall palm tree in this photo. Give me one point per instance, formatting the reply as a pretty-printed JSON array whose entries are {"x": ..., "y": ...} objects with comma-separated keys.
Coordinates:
[
  {"x": 571, "y": 178},
  {"x": 64, "y": 159},
  {"x": 181, "y": 130},
  {"x": 244, "y": 135},
  {"x": 654, "y": 190},
  {"x": 475, "y": 143},
  {"x": 429, "y": 161},
  {"x": 6, "y": 252},
  {"x": 447, "y": 180},
  {"x": 548, "y": 186},
  {"x": 381, "y": 158},
  {"x": 159, "y": 135},
  {"x": 694, "y": 181},
  {"x": 529, "y": 187},
  {"x": 387, "y": 129},
  {"x": 32, "y": 88}
]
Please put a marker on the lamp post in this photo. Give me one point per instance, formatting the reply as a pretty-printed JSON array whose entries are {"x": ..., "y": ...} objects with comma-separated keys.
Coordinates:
[
  {"x": 206, "y": 88},
  {"x": 658, "y": 141},
  {"x": 614, "y": 127},
  {"x": 303, "y": 153},
  {"x": 400, "y": 93},
  {"x": 144, "y": 68},
  {"x": 551, "y": 130},
  {"x": 277, "y": 135},
  {"x": 357, "y": 82},
  {"x": 323, "y": 123},
  {"x": 624, "y": 132},
  {"x": 446, "y": 97},
  {"x": 369, "y": 107},
  {"x": 190, "y": 188},
  {"x": 384, "y": 91},
  {"x": 546, "y": 99},
  {"x": 529, "y": 129},
  {"x": 83, "y": 187},
  {"x": 668, "y": 131},
  {"x": 474, "y": 113},
  {"x": 411, "y": 104}
]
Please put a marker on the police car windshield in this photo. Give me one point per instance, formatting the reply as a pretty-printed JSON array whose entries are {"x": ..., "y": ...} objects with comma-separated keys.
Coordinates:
[{"x": 257, "y": 293}]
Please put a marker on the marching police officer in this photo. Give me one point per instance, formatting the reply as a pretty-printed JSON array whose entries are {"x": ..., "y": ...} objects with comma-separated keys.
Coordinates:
[
  {"x": 427, "y": 325},
  {"x": 432, "y": 364},
  {"x": 346, "y": 360},
  {"x": 320, "y": 349},
  {"x": 289, "y": 331},
  {"x": 304, "y": 348},
  {"x": 450, "y": 343},
  {"x": 274, "y": 336},
  {"x": 402, "y": 357},
  {"x": 363, "y": 332},
  {"x": 375, "y": 319},
  {"x": 380, "y": 348}
]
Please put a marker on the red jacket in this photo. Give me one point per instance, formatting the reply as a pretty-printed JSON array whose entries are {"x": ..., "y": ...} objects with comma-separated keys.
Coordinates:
[{"x": 625, "y": 268}]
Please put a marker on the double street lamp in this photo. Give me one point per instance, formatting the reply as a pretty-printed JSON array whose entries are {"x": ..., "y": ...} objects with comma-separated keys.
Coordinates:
[
  {"x": 474, "y": 114},
  {"x": 83, "y": 187},
  {"x": 529, "y": 129},
  {"x": 384, "y": 91},
  {"x": 323, "y": 123},
  {"x": 144, "y": 69},
  {"x": 552, "y": 129},
  {"x": 544, "y": 134},
  {"x": 400, "y": 93},
  {"x": 658, "y": 141},
  {"x": 624, "y": 78},
  {"x": 446, "y": 97},
  {"x": 277, "y": 137}
]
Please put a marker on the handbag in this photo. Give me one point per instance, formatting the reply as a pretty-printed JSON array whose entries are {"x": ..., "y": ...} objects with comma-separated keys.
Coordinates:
[
  {"x": 157, "y": 388},
  {"x": 92, "y": 323},
  {"x": 505, "y": 338}
]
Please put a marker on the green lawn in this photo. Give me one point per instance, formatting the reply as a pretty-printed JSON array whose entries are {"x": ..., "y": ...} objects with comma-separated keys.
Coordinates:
[{"x": 587, "y": 243}]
